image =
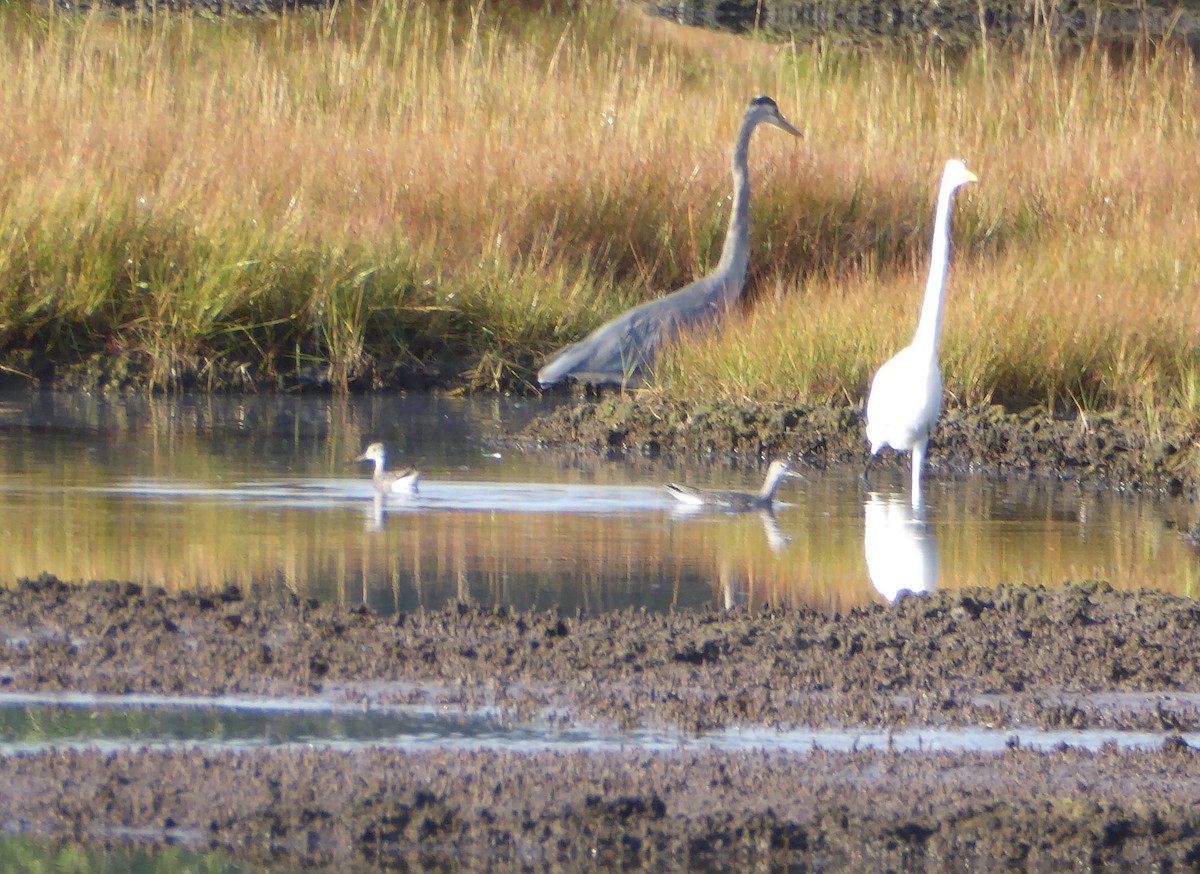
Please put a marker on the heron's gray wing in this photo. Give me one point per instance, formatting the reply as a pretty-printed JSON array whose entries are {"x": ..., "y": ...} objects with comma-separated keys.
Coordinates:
[
  {"x": 618, "y": 351},
  {"x": 611, "y": 354}
]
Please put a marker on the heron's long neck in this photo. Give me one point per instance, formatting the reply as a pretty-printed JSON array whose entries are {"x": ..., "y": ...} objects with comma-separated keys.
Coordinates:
[
  {"x": 929, "y": 328},
  {"x": 735, "y": 255},
  {"x": 380, "y": 465}
]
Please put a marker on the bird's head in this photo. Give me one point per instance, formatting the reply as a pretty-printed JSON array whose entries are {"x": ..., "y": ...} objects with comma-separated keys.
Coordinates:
[
  {"x": 374, "y": 452},
  {"x": 780, "y": 469},
  {"x": 956, "y": 174},
  {"x": 764, "y": 109}
]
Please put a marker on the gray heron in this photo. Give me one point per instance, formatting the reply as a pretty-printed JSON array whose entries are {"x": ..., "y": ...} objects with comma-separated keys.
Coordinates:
[{"x": 618, "y": 351}]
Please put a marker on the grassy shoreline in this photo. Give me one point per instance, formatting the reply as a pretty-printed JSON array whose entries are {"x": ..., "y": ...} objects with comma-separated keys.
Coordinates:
[{"x": 405, "y": 194}]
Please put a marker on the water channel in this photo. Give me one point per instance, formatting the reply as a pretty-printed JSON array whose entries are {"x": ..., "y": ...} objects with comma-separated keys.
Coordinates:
[
  {"x": 201, "y": 492},
  {"x": 37, "y": 855}
]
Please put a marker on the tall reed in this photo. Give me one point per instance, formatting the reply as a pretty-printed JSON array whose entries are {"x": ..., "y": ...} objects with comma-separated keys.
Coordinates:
[
  {"x": 1071, "y": 281},
  {"x": 453, "y": 190}
]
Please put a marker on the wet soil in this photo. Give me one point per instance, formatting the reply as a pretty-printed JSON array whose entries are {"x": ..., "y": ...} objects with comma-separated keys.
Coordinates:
[
  {"x": 866, "y": 811},
  {"x": 1110, "y": 450},
  {"x": 1079, "y": 656}
]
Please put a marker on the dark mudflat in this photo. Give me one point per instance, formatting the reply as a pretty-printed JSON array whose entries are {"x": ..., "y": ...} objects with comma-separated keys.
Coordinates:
[
  {"x": 866, "y": 811},
  {"x": 1078, "y": 657},
  {"x": 1111, "y": 450}
]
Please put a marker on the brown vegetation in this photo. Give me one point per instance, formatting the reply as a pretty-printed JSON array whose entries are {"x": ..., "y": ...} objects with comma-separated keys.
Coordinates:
[{"x": 397, "y": 193}]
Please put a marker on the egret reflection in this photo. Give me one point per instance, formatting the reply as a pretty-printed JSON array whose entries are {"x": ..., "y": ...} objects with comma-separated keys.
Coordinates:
[
  {"x": 734, "y": 591},
  {"x": 900, "y": 545}
]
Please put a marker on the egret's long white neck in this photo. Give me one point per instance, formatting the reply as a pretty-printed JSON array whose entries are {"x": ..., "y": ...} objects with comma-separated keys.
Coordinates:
[
  {"x": 929, "y": 328},
  {"x": 735, "y": 255}
]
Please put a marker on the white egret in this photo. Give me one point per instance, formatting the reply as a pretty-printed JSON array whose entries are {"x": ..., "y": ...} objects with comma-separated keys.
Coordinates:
[{"x": 906, "y": 393}]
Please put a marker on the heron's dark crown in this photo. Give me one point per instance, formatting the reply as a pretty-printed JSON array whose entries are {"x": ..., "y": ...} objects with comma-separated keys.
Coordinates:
[{"x": 764, "y": 101}]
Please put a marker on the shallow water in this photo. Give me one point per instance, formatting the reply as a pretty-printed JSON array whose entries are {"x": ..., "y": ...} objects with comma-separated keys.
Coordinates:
[
  {"x": 24, "y": 853},
  {"x": 198, "y": 493},
  {"x": 31, "y": 723}
]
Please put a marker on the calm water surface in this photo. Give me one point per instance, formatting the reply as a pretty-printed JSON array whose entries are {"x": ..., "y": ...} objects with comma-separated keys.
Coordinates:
[
  {"x": 22, "y": 853},
  {"x": 36, "y": 722},
  {"x": 200, "y": 492}
]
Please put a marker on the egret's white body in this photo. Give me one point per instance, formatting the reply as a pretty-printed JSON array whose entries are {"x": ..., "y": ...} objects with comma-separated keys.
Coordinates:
[
  {"x": 403, "y": 482},
  {"x": 906, "y": 393}
]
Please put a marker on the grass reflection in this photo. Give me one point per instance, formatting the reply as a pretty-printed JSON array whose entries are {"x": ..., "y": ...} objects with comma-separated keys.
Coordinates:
[
  {"x": 811, "y": 553},
  {"x": 197, "y": 494},
  {"x": 19, "y": 853}
]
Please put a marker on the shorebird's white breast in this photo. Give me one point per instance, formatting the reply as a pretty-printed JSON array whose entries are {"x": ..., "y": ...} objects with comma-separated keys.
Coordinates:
[{"x": 685, "y": 497}]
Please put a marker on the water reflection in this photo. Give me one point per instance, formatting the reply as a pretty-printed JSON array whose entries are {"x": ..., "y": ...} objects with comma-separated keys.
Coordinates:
[
  {"x": 773, "y": 535},
  {"x": 776, "y": 539},
  {"x": 900, "y": 545},
  {"x": 26, "y": 853},
  {"x": 32, "y": 724},
  {"x": 197, "y": 493}
]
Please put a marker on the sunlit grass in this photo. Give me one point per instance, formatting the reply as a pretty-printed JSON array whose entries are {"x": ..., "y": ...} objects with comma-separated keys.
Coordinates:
[
  {"x": 460, "y": 189},
  {"x": 395, "y": 182},
  {"x": 1071, "y": 282}
]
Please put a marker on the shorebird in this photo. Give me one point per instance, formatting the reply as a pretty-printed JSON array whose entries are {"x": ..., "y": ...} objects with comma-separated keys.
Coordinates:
[
  {"x": 736, "y": 500},
  {"x": 390, "y": 481}
]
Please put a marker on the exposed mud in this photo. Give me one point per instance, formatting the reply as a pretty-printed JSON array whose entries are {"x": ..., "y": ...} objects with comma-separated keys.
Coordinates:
[
  {"x": 1077, "y": 657},
  {"x": 1110, "y": 450},
  {"x": 872, "y": 811}
]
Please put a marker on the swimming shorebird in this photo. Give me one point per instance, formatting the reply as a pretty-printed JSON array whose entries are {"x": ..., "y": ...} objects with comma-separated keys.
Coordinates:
[
  {"x": 736, "y": 500},
  {"x": 390, "y": 481}
]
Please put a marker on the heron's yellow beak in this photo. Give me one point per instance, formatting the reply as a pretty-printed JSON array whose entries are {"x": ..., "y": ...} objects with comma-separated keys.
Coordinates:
[{"x": 783, "y": 124}]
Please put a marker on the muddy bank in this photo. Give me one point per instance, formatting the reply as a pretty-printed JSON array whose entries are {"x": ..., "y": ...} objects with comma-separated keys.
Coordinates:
[
  {"x": 1080, "y": 656},
  {"x": 117, "y": 373},
  {"x": 997, "y": 657},
  {"x": 577, "y": 812},
  {"x": 1110, "y": 450}
]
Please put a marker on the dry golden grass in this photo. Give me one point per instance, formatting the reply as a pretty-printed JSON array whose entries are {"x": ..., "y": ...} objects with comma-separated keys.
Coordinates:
[
  {"x": 1071, "y": 281},
  {"x": 410, "y": 182}
]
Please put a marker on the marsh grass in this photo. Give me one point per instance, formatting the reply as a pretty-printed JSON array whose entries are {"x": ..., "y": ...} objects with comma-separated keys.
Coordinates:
[
  {"x": 454, "y": 190},
  {"x": 1071, "y": 283}
]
